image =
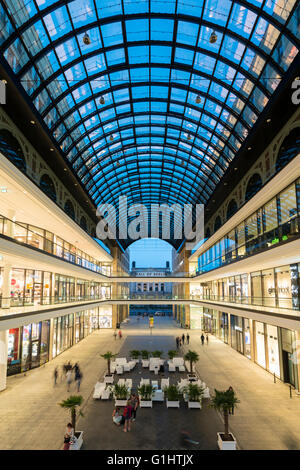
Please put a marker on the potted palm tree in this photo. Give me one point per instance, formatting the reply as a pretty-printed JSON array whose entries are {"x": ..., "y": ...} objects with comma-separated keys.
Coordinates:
[
  {"x": 194, "y": 394},
  {"x": 108, "y": 356},
  {"x": 134, "y": 354},
  {"x": 146, "y": 392},
  {"x": 192, "y": 357},
  {"x": 225, "y": 401},
  {"x": 145, "y": 358},
  {"x": 173, "y": 396},
  {"x": 71, "y": 404},
  {"x": 157, "y": 353},
  {"x": 121, "y": 395},
  {"x": 172, "y": 353}
]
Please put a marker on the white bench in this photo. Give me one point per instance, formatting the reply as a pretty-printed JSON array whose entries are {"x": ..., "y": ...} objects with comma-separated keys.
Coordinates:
[{"x": 99, "y": 387}]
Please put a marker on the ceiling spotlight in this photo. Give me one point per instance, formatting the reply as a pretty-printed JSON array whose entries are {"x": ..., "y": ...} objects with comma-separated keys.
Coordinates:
[
  {"x": 269, "y": 120},
  {"x": 4, "y": 81},
  {"x": 32, "y": 122},
  {"x": 249, "y": 148},
  {"x": 198, "y": 99},
  {"x": 111, "y": 137},
  {"x": 225, "y": 184},
  {"x": 86, "y": 39},
  {"x": 213, "y": 37},
  {"x": 102, "y": 100},
  {"x": 51, "y": 149},
  {"x": 65, "y": 169}
]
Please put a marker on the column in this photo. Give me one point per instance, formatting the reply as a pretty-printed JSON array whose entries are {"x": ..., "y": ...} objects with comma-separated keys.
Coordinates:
[
  {"x": 229, "y": 330},
  {"x": 3, "y": 358},
  {"x": 252, "y": 340},
  {"x": 6, "y": 288}
]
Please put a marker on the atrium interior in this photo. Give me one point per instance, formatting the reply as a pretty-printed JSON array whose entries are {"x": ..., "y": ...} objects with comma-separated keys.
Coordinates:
[{"x": 149, "y": 225}]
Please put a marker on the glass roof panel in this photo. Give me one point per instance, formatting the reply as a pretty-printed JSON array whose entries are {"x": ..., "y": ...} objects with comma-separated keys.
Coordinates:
[{"x": 138, "y": 96}]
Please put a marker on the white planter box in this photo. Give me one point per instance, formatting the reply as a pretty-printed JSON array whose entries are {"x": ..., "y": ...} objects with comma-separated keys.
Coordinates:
[
  {"x": 226, "y": 445},
  {"x": 120, "y": 402},
  {"x": 78, "y": 441},
  {"x": 172, "y": 404},
  {"x": 146, "y": 403},
  {"x": 145, "y": 363},
  {"x": 194, "y": 404},
  {"x": 109, "y": 379}
]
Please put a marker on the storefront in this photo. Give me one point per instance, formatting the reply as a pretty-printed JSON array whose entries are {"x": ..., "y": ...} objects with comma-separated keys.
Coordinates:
[
  {"x": 260, "y": 341},
  {"x": 223, "y": 328},
  {"x": 29, "y": 346},
  {"x": 196, "y": 317},
  {"x": 237, "y": 333}
]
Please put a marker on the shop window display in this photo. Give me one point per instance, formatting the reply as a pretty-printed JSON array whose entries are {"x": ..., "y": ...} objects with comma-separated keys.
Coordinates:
[{"x": 260, "y": 344}]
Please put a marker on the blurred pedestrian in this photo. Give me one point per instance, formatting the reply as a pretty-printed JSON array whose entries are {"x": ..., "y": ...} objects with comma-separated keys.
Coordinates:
[
  {"x": 202, "y": 339},
  {"x": 78, "y": 378},
  {"x": 68, "y": 437},
  {"x": 183, "y": 338},
  {"x": 69, "y": 379},
  {"x": 177, "y": 342},
  {"x": 120, "y": 334},
  {"x": 115, "y": 334},
  {"x": 207, "y": 339},
  {"x": 188, "y": 339},
  {"x": 55, "y": 375}
]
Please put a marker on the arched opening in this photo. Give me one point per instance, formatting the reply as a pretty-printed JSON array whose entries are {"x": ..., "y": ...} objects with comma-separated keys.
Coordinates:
[
  {"x": 69, "y": 209},
  {"x": 11, "y": 148},
  {"x": 289, "y": 149},
  {"x": 253, "y": 186},
  {"x": 218, "y": 223},
  {"x": 151, "y": 257},
  {"x": 231, "y": 209},
  {"x": 83, "y": 223},
  {"x": 48, "y": 187}
]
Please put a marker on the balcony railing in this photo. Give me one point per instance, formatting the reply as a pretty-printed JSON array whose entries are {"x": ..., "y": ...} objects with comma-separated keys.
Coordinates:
[
  {"x": 282, "y": 234},
  {"x": 20, "y": 233}
]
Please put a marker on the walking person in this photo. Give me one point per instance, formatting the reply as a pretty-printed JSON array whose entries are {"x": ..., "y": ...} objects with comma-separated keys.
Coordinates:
[
  {"x": 134, "y": 401},
  {"x": 183, "y": 338},
  {"x": 115, "y": 335},
  {"x": 207, "y": 339},
  {"x": 69, "y": 379},
  {"x": 188, "y": 338},
  {"x": 177, "y": 342},
  {"x": 202, "y": 339},
  {"x": 127, "y": 416},
  {"x": 55, "y": 375},
  {"x": 180, "y": 342},
  {"x": 120, "y": 334},
  {"x": 78, "y": 378}
]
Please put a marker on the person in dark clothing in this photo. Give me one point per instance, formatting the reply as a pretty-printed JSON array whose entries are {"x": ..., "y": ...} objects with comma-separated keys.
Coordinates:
[
  {"x": 188, "y": 339},
  {"x": 177, "y": 342},
  {"x": 206, "y": 339},
  {"x": 78, "y": 378},
  {"x": 230, "y": 389},
  {"x": 180, "y": 342},
  {"x": 183, "y": 338},
  {"x": 202, "y": 339},
  {"x": 55, "y": 375}
]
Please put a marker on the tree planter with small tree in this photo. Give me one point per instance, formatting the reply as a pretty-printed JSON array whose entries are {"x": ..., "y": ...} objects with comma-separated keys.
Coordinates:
[
  {"x": 145, "y": 358},
  {"x": 109, "y": 377},
  {"x": 224, "y": 402},
  {"x": 134, "y": 354},
  {"x": 157, "y": 353},
  {"x": 71, "y": 404},
  {"x": 172, "y": 353},
  {"x": 173, "y": 396},
  {"x": 192, "y": 357},
  {"x": 194, "y": 394},
  {"x": 146, "y": 392},
  {"x": 121, "y": 395}
]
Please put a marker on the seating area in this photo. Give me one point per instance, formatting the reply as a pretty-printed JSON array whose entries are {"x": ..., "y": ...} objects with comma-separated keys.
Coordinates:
[{"x": 149, "y": 372}]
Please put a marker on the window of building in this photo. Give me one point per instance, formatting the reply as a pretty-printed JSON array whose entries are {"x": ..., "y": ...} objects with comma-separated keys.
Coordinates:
[
  {"x": 48, "y": 186},
  {"x": 253, "y": 186},
  {"x": 11, "y": 149}
]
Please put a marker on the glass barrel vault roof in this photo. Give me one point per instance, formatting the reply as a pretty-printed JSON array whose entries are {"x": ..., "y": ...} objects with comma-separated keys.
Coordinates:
[{"x": 150, "y": 59}]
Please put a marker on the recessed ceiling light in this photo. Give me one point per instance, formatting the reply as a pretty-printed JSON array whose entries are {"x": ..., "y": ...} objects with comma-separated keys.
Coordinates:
[
  {"x": 225, "y": 184},
  {"x": 65, "y": 169},
  {"x": 32, "y": 122},
  {"x": 235, "y": 168},
  {"x": 249, "y": 148},
  {"x": 269, "y": 120},
  {"x": 4, "y": 81},
  {"x": 51, "y": 149},
  {"x": 75, "y": 184}
]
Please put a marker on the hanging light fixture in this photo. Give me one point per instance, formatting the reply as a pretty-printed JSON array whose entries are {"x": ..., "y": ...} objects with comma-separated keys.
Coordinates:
[
  {"x": 102, "y": 100},
  {"x": 213, "y": 37},
  {"x": 86, "y": 39},
  {"x": 198, "y": 99}
]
